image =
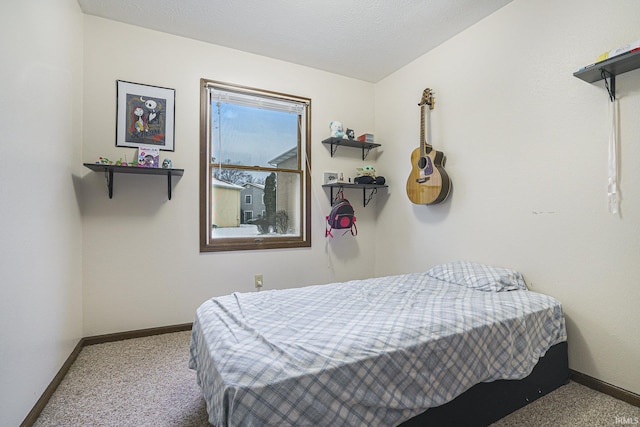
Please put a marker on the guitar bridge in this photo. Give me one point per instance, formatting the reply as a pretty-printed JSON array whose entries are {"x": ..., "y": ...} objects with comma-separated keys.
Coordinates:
[{"x": 423, "y": 179}]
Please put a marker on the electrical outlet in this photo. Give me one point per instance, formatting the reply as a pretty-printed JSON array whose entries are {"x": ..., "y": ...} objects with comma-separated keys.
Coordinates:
[{"x": 258, "y": 281}]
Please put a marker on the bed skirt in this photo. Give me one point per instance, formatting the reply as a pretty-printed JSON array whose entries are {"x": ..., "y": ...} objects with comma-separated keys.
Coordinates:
[{"x": 486, "y": 403}]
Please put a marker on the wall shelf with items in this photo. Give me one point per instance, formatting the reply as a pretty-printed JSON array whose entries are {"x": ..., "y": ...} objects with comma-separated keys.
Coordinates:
[
  {"x": 342, "y": 185},
  {"x": 336, "y": 142},
  {"x": 610, "y": 68},
  {"x": 109, "y": 170}
]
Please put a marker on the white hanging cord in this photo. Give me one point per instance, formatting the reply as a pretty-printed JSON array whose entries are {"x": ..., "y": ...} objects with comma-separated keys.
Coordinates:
[
  {"x": 218, "y": 104},
  {"x": 612, "y": 186}
]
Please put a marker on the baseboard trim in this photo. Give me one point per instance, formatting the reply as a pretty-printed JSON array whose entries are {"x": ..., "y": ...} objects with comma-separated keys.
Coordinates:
[
  {"x": 606, "y": 388},
  {"x": 119, "y": 336},
  {"x": 33, "y": 415}
]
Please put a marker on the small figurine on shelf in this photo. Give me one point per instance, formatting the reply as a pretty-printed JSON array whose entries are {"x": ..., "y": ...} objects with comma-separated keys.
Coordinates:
[
  {"x": 167, "y": 164},
  {"x": 104, "y": 161},
  {"x": 366, "y": 175},
  {"x": 350, "y": 134},
  {"x": 366, "y": 170},
  {"x": 336, "y": 130}
]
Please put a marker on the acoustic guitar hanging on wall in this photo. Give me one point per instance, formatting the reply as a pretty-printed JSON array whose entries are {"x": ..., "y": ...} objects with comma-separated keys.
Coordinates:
[{"x": 428, "y": 182}]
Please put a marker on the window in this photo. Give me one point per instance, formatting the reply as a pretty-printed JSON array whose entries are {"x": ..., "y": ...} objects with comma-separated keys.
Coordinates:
[{"x": 254, "y": 153}]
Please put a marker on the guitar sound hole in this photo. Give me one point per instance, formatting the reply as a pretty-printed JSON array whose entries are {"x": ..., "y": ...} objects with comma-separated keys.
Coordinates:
[{"x": 422, "y": 163}]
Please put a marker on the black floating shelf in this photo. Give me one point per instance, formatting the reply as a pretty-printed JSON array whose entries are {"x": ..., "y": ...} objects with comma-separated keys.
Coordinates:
[
  {"x": 109, "y": 170},
  {"x": 336, "y": 142},
  {"x": 614, "y": 66},
  {"x": 342, "y": 185}
]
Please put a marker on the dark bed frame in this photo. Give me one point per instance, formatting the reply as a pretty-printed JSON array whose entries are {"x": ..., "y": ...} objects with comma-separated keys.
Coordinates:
[{"x": 486, "y": 403}]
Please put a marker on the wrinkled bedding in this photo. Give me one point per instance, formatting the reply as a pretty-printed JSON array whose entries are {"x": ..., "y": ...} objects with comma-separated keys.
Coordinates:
[{"x": 361, "y": 353}]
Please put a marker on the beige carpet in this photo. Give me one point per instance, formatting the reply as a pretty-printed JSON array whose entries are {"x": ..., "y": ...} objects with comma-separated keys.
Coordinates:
[{"x": 146, "y": 382}]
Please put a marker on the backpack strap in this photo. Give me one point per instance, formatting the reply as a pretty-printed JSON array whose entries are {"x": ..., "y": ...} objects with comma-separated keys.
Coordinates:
[
  {"x": 339, "y": 195},
  {"x": 327, "y": 230}
]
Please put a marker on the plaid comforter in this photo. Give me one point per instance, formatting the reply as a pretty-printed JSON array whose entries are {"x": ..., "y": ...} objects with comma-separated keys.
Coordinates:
[{"x": 372, "y": 352}]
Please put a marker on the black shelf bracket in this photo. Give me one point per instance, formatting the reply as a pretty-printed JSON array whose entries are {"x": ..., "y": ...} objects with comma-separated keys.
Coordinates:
[
  {"x": 108, "y": 174},
  {"x": 109, "y": 171},
  {"x": 340, "y": 190},
  {"x": 169, "y": 185},
  {"x": 365, "y": 198},
  {"x": 611, "y": 85},
  {"x": 365, "y": 150},
  {"x": 335, "y": 142},
  {"x": 365, "y": 153}
]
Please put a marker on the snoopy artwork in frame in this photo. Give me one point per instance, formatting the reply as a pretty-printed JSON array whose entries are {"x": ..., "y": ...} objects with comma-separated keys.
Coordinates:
[{"x": 145, "y": 116}]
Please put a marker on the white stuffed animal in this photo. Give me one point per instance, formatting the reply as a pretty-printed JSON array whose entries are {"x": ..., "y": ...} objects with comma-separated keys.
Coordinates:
[{"x": 336, "y": 130}]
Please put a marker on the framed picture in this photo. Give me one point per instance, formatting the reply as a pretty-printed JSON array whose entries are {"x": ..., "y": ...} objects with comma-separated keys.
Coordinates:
[{"x": 145, "y": 116}]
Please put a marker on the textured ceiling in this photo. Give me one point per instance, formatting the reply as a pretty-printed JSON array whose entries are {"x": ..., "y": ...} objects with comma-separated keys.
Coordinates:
[{"x": 363, "y": 39}]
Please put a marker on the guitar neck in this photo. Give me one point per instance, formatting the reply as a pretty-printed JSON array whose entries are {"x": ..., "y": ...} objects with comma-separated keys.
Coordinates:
[
  {"x": 427, "y": 99},
  {"x": 425, "y": 147},
  {"x": 423, "y": 139}
]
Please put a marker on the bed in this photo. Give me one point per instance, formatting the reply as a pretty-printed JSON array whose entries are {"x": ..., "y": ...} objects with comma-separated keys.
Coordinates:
[{"x": 383, "y": 351}]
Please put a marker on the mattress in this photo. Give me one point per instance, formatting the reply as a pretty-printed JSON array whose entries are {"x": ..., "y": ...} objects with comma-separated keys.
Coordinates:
[{"x": 365, "y": 352}]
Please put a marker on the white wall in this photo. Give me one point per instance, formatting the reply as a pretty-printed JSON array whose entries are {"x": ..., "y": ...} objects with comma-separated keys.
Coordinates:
[
  {"x": 40, "y": 253},
  {"x": 142, "y": 266},
  {"x": 526, "y": 144}
]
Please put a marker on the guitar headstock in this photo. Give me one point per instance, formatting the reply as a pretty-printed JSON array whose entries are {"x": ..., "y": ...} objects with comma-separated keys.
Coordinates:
[{"x": 427, "y": 99}]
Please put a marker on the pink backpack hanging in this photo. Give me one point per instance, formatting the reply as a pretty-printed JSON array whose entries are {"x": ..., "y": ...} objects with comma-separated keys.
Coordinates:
[{"x": 341, "y": 217}]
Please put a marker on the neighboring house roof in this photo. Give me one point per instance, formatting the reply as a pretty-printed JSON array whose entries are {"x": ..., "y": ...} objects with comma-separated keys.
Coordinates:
[
  {"x": 291, "y": 152},
  {"x": 251, "y": 184},
  {"x": 223, "y": 184}
]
